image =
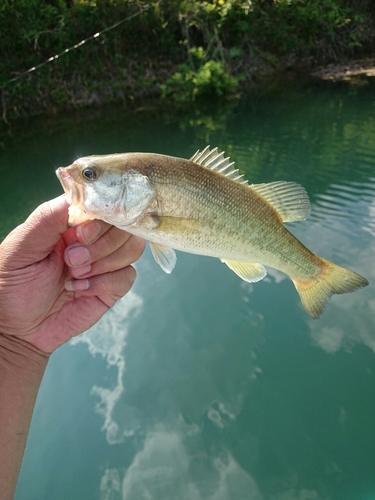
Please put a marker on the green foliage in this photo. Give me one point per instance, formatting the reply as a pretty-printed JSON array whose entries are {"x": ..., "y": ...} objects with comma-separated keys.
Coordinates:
[
  {"x": 307, "y": 25},
  {"x": 210, "y": 80},
  {"x": 188, "y": 48},
  {"x": 219, "y": 35}
]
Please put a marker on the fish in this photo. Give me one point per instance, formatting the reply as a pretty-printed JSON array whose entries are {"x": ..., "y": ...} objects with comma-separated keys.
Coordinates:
[{"x": 205, "y": 206}]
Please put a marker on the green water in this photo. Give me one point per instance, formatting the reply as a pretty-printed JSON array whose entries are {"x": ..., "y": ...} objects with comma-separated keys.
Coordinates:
[{"x": 198, "y": 386}]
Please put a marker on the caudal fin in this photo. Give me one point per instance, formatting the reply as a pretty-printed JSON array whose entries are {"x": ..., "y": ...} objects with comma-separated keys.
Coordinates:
[{"x": 316, "y": 293}]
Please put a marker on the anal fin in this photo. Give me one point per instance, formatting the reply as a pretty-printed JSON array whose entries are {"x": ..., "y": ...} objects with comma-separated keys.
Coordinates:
[{"x": 248, "y": 271}]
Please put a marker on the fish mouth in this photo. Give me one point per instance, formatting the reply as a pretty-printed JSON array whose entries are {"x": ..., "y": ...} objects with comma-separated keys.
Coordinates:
[{"x": 69, "y": 186}]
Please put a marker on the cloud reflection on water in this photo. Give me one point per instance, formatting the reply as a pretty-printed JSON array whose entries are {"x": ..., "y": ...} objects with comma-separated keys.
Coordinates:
[
  {"x": 108, "y": 338},
  {"x": 172, "y": 461},
  {"x": 167, "y": 468}
]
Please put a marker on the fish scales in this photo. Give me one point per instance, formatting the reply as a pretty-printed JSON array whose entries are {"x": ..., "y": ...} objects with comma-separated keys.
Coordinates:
[
  {"x": 234, "y": 221},
  {"x": 203, "y": 206}
]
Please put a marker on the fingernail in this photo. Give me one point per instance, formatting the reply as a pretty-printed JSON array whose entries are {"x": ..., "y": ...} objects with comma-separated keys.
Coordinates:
[
  {"x": 78, "y": 256},
  {"x": 90, "y": 231},
  {"x": 77, "y": 285}
]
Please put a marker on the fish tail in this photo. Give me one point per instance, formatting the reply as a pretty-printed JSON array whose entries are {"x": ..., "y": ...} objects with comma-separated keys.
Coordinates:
[{"x": 333, "y": 279}]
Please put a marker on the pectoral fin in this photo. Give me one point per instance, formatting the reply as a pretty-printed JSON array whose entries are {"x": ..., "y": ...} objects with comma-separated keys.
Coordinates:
[
  {"x": 164, "y": 256},
  {"x": 248, "y": 271}
]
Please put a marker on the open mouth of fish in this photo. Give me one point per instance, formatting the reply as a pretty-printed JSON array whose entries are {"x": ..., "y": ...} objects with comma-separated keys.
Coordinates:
[
  {"x": 73, "y": 195},
  {"x": 72, "y": 192}
]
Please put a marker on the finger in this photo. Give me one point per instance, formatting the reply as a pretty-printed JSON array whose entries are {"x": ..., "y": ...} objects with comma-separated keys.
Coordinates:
[
  {"x": 114, "y": 285},
  {"x": 69, "y": 236},
  {"x": 86, "y": 233},
  {"x": 127, "y": 254},
  {"x": 40, "y": 233},
  {"x": 78, "y": 255},
  {"x": 90, "y": 231}
]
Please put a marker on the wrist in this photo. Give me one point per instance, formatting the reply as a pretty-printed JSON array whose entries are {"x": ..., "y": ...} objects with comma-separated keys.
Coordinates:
[{"x": 21, "y": 355}]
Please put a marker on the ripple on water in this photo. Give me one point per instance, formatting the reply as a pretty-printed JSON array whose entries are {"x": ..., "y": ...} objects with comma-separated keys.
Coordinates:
[{"x": 346, "y": 204}]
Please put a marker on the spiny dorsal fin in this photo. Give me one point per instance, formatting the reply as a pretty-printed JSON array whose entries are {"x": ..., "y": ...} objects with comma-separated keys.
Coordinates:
[
  {"x": 289, "y": 199},
  {"x": 210, "y": 158}
]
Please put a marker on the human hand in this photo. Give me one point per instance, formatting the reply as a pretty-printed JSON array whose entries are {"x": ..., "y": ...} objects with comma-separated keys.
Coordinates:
[{"x": 56, "y": 281}]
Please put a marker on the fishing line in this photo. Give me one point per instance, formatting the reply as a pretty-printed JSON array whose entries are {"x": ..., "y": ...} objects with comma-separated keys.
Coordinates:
[{"x": 73, "y": 47}]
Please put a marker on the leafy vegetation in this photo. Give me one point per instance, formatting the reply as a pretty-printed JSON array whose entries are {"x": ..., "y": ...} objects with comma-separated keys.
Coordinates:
[
  {"x": 184, "y": 49},
  {"x": 210, "y": 79}
]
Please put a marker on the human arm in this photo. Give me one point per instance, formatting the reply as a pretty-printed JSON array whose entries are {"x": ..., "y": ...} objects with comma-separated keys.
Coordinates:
[
  {"x": 21, "y": 370},
  {"x": 48, "y": 294}
]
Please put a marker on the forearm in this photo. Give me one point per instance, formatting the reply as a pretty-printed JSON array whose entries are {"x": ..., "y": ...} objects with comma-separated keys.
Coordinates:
[{"x": 21, "y": 370}]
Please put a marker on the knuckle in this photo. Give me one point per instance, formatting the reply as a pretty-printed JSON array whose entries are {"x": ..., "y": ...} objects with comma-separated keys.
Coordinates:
[
  {"x": 116, "y": 283},
  {"x": 137, "y": 246}
]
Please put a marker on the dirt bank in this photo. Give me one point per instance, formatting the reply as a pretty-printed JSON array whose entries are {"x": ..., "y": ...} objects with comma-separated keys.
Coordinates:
[{"x": 346, "y": 71}]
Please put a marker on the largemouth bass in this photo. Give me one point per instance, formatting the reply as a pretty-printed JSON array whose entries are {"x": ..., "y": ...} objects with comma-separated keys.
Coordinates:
[{"x": 204, "y": 206}]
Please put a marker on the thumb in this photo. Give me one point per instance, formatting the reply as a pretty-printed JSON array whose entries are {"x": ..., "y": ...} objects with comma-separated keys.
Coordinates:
[{"x": 33, "y": 240}]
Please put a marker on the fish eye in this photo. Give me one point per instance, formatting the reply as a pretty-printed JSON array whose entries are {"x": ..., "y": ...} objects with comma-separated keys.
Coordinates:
[{"x": 90, "y": 173}]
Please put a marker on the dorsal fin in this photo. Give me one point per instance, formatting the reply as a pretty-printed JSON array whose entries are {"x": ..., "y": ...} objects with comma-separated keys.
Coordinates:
[
  {"x": 210, "y": 158},
  {"x": 289, "y": 199}
]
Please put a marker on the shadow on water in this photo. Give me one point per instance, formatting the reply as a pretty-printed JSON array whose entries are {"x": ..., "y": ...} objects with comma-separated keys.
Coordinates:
[{"x": 199, "y": 386}]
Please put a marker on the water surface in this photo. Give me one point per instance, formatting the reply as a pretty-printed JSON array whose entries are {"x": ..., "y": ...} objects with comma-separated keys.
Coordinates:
[{"x": 198, "y": 386}]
